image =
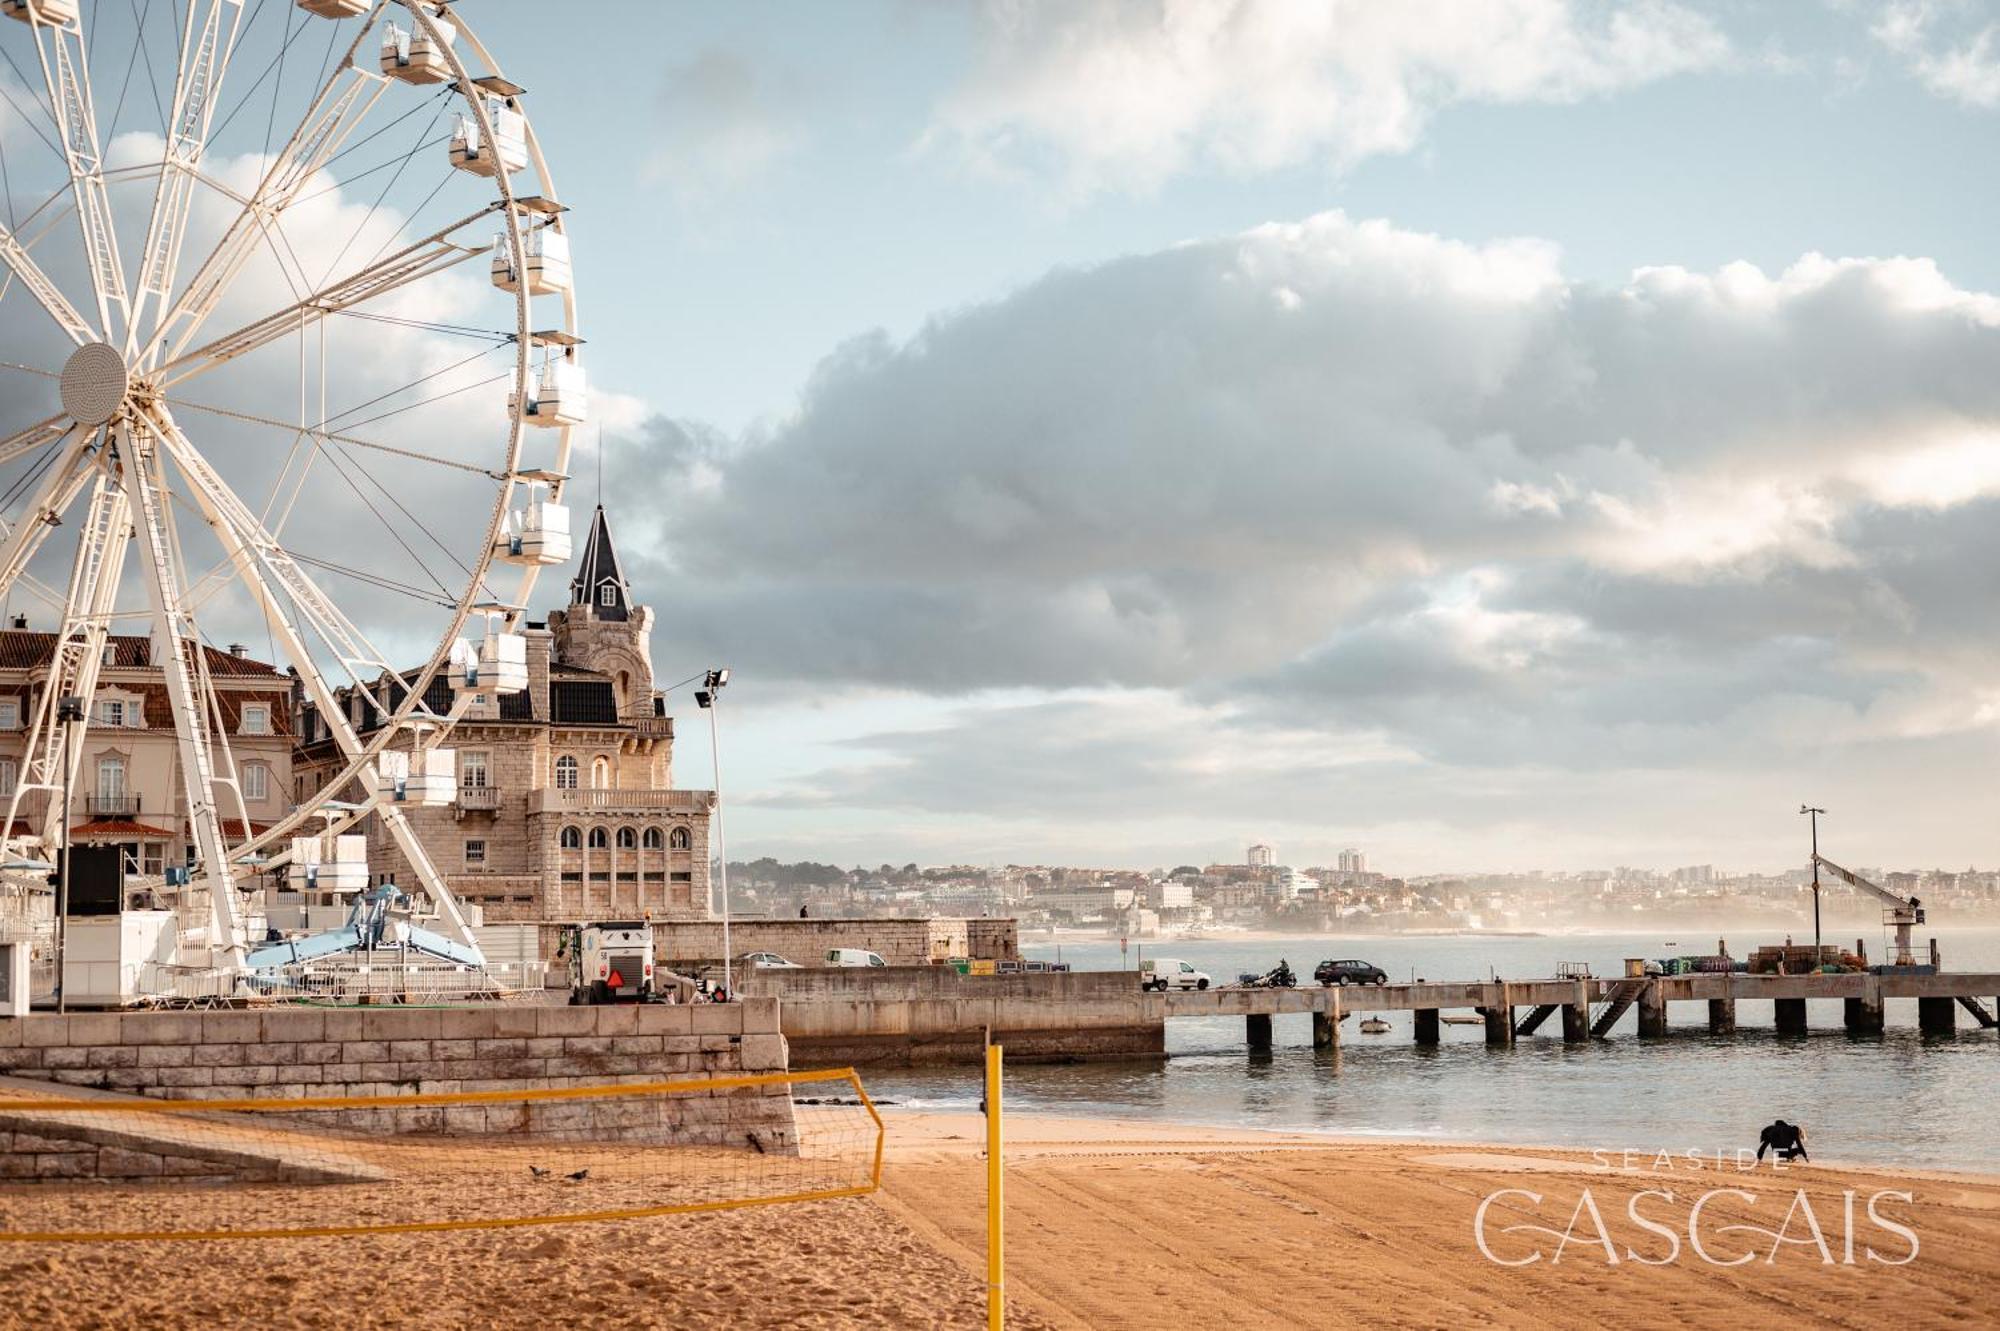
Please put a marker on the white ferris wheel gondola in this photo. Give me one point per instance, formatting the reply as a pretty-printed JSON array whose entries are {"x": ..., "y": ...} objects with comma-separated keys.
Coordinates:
[{"x": 126, "y": 470}]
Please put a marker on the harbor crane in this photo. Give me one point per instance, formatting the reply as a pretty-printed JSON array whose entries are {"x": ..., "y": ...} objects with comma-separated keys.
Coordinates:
[{"x": 1902, "y": 914}]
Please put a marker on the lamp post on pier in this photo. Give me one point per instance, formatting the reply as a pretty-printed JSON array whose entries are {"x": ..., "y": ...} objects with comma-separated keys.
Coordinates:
[
  {"x": 708, "y": 697},
  {"x": 1814, "y": 814}
]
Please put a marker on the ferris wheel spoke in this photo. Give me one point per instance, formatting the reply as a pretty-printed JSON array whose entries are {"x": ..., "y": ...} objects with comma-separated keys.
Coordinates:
[
  {"x": 23, "y": 442},
  {"x": 339, "y": 108},
  {"x": 414, "y": 263},
  {"x": 205, "y": 53},
  {"x": 50, "y": 297},
  {"x": 59, "y": 488},
  {"x": 66, "y": 73}
]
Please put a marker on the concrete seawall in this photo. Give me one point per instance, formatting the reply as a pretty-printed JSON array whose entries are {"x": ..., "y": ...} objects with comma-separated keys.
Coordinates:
[
  {"x": 692, "y": 943},
  {"x": 911, "y": 1015}
]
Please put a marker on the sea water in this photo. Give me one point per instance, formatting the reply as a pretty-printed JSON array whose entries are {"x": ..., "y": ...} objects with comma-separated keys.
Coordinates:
[{"x": 1899, "y": 1097}]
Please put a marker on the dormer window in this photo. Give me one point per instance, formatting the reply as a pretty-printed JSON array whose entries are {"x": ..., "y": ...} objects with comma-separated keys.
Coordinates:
[
  {"x": 256, "y": 718},
  {"x": 607, "y": 594},
  {"x": 112, "y": 712}
]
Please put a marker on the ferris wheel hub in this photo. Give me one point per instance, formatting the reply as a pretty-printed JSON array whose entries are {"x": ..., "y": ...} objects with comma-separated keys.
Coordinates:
[{"x": 95, "y": 382}]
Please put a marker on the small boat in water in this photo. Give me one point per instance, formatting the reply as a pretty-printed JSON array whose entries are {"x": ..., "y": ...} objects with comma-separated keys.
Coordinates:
[
  {"x": 1374, "y": 1026},
  {"x": 1462, "y": 1019}
]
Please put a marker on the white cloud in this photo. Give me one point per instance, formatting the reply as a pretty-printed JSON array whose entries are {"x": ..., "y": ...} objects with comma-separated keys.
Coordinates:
[
  {"x": 1962, "y": 64},
  {"x": 1128, "y": 93}
]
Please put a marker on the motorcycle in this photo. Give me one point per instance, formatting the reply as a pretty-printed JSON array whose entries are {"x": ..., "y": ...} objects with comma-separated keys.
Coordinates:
[{"x": 1278, "y": 977}]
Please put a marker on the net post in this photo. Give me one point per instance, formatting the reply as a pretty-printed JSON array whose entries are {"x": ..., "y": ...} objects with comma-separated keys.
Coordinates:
[{"x": 996, "y": 1278}]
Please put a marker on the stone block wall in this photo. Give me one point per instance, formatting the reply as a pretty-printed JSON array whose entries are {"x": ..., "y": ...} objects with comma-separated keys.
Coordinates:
[{"x": 300, "y": 1054}]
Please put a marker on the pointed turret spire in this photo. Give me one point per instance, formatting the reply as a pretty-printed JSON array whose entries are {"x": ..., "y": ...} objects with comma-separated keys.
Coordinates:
[{"x": 599, "y": 582}]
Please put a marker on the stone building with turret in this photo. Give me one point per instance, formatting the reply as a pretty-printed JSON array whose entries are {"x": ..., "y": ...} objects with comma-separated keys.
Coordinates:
[{"x": 566, "y": 807}]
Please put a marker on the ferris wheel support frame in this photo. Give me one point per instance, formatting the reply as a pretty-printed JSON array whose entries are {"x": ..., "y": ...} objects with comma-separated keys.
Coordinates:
[{"x": 66, "y": 72}]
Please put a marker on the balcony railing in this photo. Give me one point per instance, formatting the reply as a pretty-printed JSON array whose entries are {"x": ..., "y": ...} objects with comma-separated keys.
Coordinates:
[
  {"x": 654, "y": 727},
  {"x": 651, "y": 801},
  {"x": 111, "y": 806},
  {"x": 479, "y": 799}
]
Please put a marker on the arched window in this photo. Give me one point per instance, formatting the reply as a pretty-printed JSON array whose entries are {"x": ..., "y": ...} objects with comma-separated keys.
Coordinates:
[
  {"x": 597, "y": 838},
  {"x": 627, "y": 839},
  {"x": 600, "y": 773},
  {"x": 572, "y": 838},
  {"x": 681, "y": 840},
  {"x": 651, "y": 840},
  {"x": 565, "y": 773}
]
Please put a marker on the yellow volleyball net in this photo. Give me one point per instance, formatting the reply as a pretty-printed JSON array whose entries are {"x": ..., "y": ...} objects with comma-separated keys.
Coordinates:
[{"x": 97, "y": 1168}]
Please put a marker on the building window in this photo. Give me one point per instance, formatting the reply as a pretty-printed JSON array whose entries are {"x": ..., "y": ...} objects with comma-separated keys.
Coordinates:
[
  {"x": 600, "y": 773},
  {"x": 627, "y": 839},
  {"x": 256, "y": 718},
  {"x": 10, "y": 713},
  {"x": 110, "y": 712},
  {"x": 681, "y": 840},
  {"x": 256, "y": 781},
  {"x": 10, "y": 773},
  {"x": 472, "y": 769},
  {"x": 597, "y": 840},
  {"x": 571, "y": 839},
  {"x": 565, "y": 773},
  {"x": 111, "y": 779},
  {"x": 651, "y": 840},
  {"x": 475, "y": 853},
  {"x": 681, "y": 876},
  {"x": 153, "y": 858},
  {"x": 608, "y": 594}
]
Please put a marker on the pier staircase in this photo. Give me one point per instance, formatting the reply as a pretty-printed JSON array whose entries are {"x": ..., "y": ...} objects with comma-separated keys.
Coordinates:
[
  {"x": 1616, "y": 1003},
  {"x": 1532, "y": 1022},
  {"x": 1978, "y": 1009}
]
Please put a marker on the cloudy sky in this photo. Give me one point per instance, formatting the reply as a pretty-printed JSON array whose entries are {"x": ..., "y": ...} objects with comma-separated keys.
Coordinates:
[{"x": 1527, "y": 434}]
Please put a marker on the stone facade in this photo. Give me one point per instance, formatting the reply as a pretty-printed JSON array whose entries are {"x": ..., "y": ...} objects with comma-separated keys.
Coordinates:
[
  {"x": 567, "y": 809},
  {"x": 690, "y": 946}
]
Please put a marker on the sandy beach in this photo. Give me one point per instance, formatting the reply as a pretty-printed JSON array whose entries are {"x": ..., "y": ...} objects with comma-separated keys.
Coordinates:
[{"x": 1110, "y": 1224}]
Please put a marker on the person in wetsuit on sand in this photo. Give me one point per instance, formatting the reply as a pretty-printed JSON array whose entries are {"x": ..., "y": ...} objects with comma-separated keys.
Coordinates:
[{"x": 1787, "y": 1140}]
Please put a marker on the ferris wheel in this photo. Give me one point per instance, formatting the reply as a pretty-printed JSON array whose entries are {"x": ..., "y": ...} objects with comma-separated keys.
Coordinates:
[{"x": 287, "y": 325}]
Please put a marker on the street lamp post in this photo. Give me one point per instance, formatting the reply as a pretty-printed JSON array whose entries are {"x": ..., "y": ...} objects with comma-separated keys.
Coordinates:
[
  {"x": 709, "y": 697},
  {"x": 69, "y": 711},
  {"x": 1814, "y": 815}
]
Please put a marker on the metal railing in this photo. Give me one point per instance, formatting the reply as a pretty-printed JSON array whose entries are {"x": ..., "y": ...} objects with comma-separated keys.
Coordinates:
[
  {"x": 111, "y": 806},
  {"x": 382, "y": 979}
]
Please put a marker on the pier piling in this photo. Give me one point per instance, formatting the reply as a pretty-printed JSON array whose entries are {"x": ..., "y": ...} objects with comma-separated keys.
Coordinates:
[
  {"x": 1427, "y": 1025},
  {"x": 1652, "y": 1011},
  {"x": 1576, "y": 1015},
  {"x": 1326, "y": 1030},
  {"x": 1864, "y": 1014},
  {"x": 1257, "y": 1030},
  {"x": 1499, "y": 1026},
  {"x": 1791, "y": 1015},
  {"x": 1722, "y": 1016},
  {"x": 1937, "y": 1016}
]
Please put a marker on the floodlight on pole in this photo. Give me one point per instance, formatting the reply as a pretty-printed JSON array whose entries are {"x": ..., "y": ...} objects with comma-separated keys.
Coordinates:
[
  {"x": 1814, "y": 813},
  {"x": 707, "y": 697}
]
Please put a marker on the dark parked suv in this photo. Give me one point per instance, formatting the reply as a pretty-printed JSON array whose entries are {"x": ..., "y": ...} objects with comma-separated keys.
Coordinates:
[{"x": 1349, "y": 972}]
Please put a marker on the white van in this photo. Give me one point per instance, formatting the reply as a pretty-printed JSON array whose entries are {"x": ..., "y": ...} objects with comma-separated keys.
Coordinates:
[
  {"x": 1164, "y": 973},
  {"x": 853, "y": 956}
]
